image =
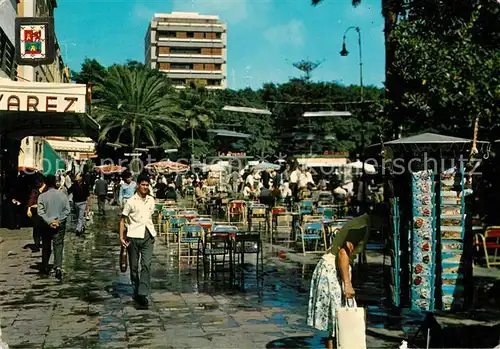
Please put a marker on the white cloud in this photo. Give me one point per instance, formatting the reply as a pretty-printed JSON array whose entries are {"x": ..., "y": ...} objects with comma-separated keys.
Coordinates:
[
  {"x": 289, "y": 33},
  {"x": 231, "y": 11}
]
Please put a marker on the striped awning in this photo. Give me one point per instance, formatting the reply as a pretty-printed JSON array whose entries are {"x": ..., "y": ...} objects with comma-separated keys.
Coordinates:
[{"x": 81, "y": 147}]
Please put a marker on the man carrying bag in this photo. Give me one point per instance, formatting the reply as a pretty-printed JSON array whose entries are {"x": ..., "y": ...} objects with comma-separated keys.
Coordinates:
[{"x": 139, "y": 238}]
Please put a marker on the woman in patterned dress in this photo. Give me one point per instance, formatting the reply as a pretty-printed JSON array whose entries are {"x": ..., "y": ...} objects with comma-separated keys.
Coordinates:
[{"x": 331, "y": 279}]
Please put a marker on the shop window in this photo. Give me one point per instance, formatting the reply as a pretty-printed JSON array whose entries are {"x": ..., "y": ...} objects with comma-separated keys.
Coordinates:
[
  {"x": 164, "y": 50},
  {"x": 169, "y": 34},
  {"x": 188, "y": 50}
]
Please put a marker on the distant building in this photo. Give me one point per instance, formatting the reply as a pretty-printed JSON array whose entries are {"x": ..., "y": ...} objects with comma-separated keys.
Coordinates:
[
  {"x": 189, "y": 48},
  {"x": 8, "y": 13}
]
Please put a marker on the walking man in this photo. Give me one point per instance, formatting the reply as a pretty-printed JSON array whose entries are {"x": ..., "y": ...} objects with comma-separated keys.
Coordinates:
[
  {"x": 127, "y": 189},
  {"x": 81, "y": 198},
  {"x": 101, "y": 190},
  {"x": 33, "y": 214},
  {"x": 139, "y": 237},
  {"x": 53, "y": 209}
]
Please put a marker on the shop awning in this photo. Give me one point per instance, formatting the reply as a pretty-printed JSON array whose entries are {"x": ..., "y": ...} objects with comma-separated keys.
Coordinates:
[
  {"x": 22, "y": 124},
  {"x": 45, "y": 109},
  {"x": 227, "y": 133},
  {"x": 322, "y": 162},
  {"x": 52, "y": 162},
  {"x": 71, "y": 146}
]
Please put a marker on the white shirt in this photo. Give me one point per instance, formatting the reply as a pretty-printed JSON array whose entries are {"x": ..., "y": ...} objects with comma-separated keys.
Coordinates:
[
  {"x": 246, "y": 192},
  {"x": 303, "y": 180},
  {"x": 250, "y": 180},
  {"x": 139, "y": 212},
  {"x": 294, "y": 176}
]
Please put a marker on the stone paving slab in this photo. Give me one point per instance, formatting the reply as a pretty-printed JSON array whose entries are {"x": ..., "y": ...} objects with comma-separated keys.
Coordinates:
[{"x": 93, "y": 306}]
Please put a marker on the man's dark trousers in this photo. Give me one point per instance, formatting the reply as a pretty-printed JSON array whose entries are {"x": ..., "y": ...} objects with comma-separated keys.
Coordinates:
[
  {"x": 56, "y": 236},
  {"x": 101, "y": 203},
  {"x": 142, "y": 248}
]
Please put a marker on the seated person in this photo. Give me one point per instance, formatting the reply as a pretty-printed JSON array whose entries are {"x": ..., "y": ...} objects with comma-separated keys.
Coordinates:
[
  {"x": 171, "y": 193},
  {"x": 266, "y": 197},
  {"x": 199, "y": 194},
  {"x": 161, "y": 189},
  {"x": 247, "y": 191}
]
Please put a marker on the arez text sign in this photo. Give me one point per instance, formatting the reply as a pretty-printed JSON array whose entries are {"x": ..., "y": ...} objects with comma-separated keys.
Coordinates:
[{"x": 42, "y": 97}]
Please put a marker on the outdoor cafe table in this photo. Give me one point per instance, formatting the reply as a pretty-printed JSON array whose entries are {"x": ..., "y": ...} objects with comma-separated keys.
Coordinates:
[
  {"x": 230, "y": 232},
  {"x": 205, "y": 222}
]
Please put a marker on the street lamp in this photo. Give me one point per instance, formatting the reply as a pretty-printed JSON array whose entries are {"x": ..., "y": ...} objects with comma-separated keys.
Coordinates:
[{"x": 344, "y": 53}]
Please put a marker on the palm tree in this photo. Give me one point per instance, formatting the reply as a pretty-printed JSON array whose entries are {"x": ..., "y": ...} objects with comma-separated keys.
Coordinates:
[
  {"x": 137, "y": 107},
  {"x": 198, "y": 109}
]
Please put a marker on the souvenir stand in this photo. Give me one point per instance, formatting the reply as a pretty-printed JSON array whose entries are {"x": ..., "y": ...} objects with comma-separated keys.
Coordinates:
[{"x": 430, "y": 244}]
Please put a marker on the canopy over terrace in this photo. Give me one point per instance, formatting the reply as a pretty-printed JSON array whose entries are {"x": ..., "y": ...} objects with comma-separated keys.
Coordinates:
[
  {"x": 44, "y": 109},
  {"x": 432, "y": 141}
]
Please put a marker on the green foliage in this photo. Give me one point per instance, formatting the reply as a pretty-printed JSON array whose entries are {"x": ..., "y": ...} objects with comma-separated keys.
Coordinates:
[
  {"x": 448, "y": 66},
  {"x": 136, "y": 108},
  {"x": 307, "y": 67},
  {"x": 91, "y": 72}
]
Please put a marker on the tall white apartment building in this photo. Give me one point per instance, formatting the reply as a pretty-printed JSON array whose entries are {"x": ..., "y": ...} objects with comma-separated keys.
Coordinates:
[{"x": 189, "y": 48}]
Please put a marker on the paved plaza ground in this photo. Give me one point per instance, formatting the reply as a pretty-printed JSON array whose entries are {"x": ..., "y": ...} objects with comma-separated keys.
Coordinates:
[{"x": 93, "y": 306}]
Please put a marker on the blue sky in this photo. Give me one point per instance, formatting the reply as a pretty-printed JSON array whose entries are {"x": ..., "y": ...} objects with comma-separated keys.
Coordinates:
[{"x": 264, "y": 36}]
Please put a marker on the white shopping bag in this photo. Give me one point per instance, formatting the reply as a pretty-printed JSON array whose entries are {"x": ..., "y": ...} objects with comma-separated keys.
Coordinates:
[{"x": 350, "y": 326}]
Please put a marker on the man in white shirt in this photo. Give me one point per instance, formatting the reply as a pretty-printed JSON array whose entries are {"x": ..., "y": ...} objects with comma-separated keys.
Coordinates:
[
  {"x": 139, "y": 238},
  {"x": 294, "y": 182}
]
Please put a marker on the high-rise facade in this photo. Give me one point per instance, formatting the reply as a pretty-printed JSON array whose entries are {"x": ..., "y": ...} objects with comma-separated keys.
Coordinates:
[{"x": 190, "y": 48}]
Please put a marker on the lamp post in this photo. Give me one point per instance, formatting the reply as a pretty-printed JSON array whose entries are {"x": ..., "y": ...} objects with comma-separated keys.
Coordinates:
[{"x": 344, "y": 53}]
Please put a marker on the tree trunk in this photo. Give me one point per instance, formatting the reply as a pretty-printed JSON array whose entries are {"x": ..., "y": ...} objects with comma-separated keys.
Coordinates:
[{"x": 390, "y": 11}]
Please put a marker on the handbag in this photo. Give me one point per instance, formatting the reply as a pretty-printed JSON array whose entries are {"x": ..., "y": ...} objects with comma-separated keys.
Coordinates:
[
  {"x": 123, "y": 259},
  {"x": 350, "y": 326}
]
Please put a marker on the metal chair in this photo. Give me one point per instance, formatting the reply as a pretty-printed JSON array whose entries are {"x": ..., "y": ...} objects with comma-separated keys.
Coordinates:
[
  {"x": 248, "y": 243},
  {"x": 238, "y": 209},
  {"x": 312, "y": 232},
  {"x": 189, "y": 234},
  {"x": 490, "y": 240},
  {"x": 305, "y": 207},
  {"x": 283, "y": 226},
  {"x": 174, "y": 225},
  {"x": 257, "y": 218},
  {"x": 215, "y": 246}
]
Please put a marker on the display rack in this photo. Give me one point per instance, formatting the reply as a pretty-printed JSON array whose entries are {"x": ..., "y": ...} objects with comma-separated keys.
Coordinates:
[
  {"x": 452, "y": 232},
  {"x": 395, "y": 253},
  {"x": 423, "y": 241}
]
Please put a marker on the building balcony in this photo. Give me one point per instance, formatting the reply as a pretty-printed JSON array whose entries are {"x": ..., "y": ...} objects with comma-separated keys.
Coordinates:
[
  {"x": 7, "y": 56},
  {"x": 191, "y": 27},
  {"x": 194, "y": 74},
  {"x": 203, "y": 41},
  {"x": 173, "y": 58},
  {"x": 192, "y": 43}
]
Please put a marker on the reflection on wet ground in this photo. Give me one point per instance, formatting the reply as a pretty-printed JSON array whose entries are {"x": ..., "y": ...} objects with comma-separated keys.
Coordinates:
[{"x": 93, "y": 306}]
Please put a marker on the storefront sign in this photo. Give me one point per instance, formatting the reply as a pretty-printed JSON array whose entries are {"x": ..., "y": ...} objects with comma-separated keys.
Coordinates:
[
  {"x": 42, "y": 97},
  {"x": 229, "y": 154},
  {"x": 35, "y": 40}
]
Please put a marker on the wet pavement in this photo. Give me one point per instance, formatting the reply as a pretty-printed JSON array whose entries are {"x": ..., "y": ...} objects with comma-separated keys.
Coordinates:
[{"x": 93, "y": 306}]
